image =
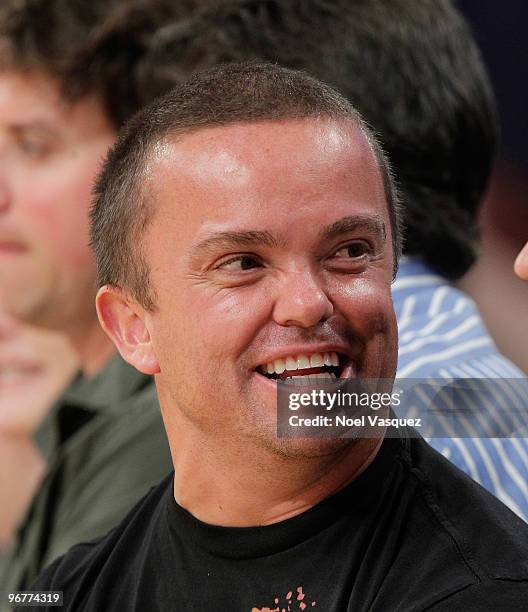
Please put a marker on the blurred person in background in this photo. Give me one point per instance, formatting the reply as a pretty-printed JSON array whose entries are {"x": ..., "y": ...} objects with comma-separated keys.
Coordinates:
[
  {"x": 64, "y": 93},
  {"x": 35, "y": 367},
  {"x": 503, "y": 218}
]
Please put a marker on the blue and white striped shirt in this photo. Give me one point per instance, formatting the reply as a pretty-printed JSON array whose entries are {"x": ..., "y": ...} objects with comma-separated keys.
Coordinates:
[{"x": 442, "y": 336}]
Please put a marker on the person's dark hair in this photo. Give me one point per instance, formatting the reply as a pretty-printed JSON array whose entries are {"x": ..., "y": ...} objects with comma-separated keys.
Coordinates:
[
  {"x": 412, "y": 69},
  {"x": 227, "y": 94},
  {"x": 103, "y": 47}
]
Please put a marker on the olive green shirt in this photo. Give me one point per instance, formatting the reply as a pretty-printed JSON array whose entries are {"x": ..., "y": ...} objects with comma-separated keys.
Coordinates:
[{"x": 105, "y": 446}]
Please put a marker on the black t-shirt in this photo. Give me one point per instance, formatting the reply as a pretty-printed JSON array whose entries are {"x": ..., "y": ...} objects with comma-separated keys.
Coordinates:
[{"x": 412, "y": 533}]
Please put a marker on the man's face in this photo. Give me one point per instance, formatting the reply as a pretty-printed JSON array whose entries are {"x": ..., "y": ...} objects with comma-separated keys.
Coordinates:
[
  {"x": 270, "y": 242},
  {"x": 521, "y": 263},
  {"x": 49, "y": 155}
]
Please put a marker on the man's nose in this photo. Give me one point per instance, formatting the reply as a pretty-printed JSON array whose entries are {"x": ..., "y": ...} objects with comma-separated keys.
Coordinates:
[{"x": 303, "y": 300}]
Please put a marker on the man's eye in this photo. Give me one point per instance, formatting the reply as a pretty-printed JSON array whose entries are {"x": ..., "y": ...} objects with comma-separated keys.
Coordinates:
[
  {"x": 354, "y": 250},
  {"x": 240, "y": 263}
]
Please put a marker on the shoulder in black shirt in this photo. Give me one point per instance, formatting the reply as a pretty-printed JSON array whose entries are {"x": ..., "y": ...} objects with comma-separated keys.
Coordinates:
[{"x": 412, "y": 533}]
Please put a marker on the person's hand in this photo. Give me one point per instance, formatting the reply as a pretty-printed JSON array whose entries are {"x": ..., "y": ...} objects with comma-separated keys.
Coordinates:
[
  {"x": 521, "y": 263},
  {"x": 35, "y": 366}
]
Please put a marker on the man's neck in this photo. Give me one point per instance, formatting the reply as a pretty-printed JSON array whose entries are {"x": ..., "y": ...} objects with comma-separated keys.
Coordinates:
[
  {"x": 93, "y": 347},
  {"x": 253, "y": 488}
]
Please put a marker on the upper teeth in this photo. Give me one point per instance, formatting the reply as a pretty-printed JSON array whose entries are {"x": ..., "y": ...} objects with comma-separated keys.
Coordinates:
[{"x": 301, "y": 362}]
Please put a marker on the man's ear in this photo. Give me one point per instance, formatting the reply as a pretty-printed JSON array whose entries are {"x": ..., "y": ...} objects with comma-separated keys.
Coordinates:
[{"x": 123, "y": 320}]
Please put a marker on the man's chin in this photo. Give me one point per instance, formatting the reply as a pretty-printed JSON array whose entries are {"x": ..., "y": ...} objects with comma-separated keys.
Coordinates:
[{"x": 308, "y": 447}]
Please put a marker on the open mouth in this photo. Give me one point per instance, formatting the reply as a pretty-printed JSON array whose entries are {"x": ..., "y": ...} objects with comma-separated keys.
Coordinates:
[{"x": 312, "y": 368}]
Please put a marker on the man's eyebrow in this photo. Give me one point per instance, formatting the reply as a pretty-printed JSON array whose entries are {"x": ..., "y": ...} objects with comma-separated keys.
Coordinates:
[
  {"x": 372, "y": 224},
  {"x": 235, "y": 240},
  {"x": 254, "y": 238}
]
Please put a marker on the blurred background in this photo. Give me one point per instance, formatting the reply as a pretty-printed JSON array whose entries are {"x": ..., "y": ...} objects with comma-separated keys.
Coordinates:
[{"x": 500, "y": 29}]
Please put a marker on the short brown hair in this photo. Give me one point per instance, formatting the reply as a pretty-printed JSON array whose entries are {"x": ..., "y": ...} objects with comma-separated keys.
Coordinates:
[{"x": 231, "y": 93}]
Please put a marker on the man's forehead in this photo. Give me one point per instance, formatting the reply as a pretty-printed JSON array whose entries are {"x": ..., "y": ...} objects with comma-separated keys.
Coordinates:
[
  {"x": 236, "y": 176},
  {"x": 231, "y": 146}
]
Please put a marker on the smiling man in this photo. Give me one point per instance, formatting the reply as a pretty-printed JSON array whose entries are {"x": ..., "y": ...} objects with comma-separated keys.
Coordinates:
[
  {"x": 251, "y": 251},
  {"x": 248, "y": 219}
]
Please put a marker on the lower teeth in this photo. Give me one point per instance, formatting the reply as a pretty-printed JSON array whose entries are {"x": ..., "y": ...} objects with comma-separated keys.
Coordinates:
[{"x": 310, "y": 378}]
